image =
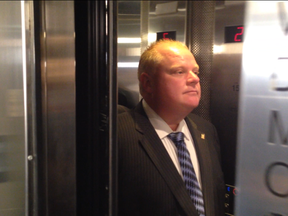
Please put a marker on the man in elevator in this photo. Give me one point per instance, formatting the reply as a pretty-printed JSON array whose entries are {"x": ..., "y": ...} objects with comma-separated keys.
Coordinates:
[{"x": 169, "y": 159}]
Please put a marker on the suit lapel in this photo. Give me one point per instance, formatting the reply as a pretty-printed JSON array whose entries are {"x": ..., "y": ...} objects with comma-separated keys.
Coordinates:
[
  {"x": 204, "y": 159},
  {"x": 162, "y": 161}
]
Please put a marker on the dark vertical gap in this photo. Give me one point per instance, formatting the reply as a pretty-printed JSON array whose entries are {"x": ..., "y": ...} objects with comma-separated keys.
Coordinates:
[
  {"x": 101, "y": 55},
  {"x": 113, "y": 101},
  {"x": 83, "y": 140},
  {"x": 91, "y": 108},
  {"x": 41, "y": 152}
]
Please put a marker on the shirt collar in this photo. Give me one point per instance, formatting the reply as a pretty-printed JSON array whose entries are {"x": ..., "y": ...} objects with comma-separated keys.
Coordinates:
[{"x": 160, "y": 126}]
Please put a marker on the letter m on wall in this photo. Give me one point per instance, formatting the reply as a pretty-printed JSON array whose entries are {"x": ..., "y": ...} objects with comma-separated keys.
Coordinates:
[{"x": 276, "y": 128}]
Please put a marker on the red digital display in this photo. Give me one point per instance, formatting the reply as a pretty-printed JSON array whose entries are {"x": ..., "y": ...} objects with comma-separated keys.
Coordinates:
[
  {"x": 166, "y": 35},
  {"x": 234, "y": 34}
]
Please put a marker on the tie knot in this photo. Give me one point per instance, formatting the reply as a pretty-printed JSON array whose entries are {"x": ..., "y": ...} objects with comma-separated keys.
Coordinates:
[{"x": 176, "y": 137}]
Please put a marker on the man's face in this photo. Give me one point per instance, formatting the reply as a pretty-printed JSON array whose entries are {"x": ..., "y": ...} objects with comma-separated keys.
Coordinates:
[{"x": 176, "y": 86}]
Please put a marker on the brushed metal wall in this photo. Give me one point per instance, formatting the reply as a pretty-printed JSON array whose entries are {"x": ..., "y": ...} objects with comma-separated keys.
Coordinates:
[
  {"x": 225, "y": 78},
  {"x": 225, "y": 85},
  {"x": 262, "y": 153},
  {"x": 58, "y": 103},
  {"x": 12, "y": 118}
]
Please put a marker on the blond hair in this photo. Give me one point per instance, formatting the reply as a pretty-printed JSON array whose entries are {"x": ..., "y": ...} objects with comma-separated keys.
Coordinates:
[{"x": 151, "y": 57}]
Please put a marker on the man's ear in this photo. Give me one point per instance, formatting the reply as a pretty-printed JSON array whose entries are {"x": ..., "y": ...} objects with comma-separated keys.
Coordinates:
[{"x": 146, "y": 82}]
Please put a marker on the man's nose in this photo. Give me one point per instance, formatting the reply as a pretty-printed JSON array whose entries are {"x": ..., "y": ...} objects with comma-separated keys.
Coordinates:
[{"x": 193, "y": 77}]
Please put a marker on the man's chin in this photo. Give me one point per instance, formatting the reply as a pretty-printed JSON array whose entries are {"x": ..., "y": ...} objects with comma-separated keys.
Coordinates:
[
  {"x": 193, "y": 104},
  {"x": 190, "y": 107}
]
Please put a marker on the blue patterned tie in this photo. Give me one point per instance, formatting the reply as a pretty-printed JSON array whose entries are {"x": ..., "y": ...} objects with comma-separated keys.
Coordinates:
[{"x": 188, "y": 172}]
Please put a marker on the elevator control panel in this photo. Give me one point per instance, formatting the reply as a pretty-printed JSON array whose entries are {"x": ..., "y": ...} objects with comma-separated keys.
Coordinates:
[{"x": 230, "y": 194}]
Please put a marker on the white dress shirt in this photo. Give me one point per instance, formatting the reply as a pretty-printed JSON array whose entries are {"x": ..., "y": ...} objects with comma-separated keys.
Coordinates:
[{"x": 163, "y": 129}]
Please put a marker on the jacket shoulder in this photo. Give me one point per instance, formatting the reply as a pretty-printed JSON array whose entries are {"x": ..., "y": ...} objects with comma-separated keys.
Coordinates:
[
  {"x": 125, "y": 119},
  {"x": 199, "y": 122}
]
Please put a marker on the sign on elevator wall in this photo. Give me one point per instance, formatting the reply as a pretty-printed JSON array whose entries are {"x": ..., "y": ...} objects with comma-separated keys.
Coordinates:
[{"x": 262, "y": 143}]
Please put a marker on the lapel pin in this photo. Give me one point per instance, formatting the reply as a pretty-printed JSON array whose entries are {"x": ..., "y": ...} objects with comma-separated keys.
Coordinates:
[{"x": 203, "y": 136}]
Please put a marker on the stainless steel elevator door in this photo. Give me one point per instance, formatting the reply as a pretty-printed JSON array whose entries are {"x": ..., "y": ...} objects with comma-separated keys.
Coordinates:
[{"x": 12, "y": 120}]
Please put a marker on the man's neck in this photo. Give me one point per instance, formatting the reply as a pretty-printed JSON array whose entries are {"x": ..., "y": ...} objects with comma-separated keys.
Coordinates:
[
  {"x": 171, "y": 118},
  {"x": 173, "y": 127}
]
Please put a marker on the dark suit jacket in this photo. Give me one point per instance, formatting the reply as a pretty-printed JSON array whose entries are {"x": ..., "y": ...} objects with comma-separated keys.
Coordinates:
[{"x": 149, "y": 183}]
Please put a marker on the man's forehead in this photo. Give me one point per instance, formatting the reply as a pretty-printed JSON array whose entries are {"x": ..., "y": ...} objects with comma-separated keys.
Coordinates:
[{"x": 172, "y": 50}]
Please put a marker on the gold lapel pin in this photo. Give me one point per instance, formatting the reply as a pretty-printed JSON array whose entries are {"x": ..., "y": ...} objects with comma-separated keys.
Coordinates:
[{"x": 203, "y": 136}]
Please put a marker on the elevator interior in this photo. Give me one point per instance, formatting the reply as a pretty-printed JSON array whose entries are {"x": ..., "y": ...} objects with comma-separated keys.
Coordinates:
[
  {"x": 139, "y": 26},
  {"x": 138, "y": 23}
]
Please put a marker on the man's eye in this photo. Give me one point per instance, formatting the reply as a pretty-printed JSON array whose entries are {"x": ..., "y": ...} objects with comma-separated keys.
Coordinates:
[
  {"x": 196, "y": 72},
  {"x": 179, "y": 72}
]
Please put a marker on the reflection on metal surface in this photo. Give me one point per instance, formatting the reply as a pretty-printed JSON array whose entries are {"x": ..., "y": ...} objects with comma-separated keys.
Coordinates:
[
  {"x": 279, "y": 78},
  {"x": 262, "y": 153},
  {"x": 129, "y": 40},
  {"x": 58, "y": 104},
  {"x": 166, "y": 8},
  {"x": 12, "y": 127},
  {"x": 283, "y": 16},
  {"x": 14, "y": 103},
  {"x": 128, "y": 65},
  {"x": 3, "y": 160},
  {"x": 228, "y": 49}
]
